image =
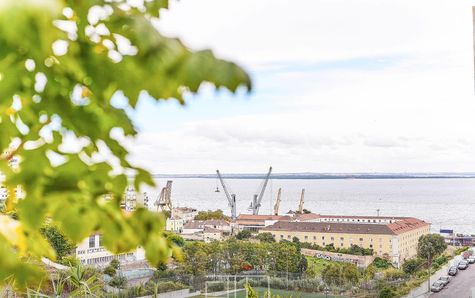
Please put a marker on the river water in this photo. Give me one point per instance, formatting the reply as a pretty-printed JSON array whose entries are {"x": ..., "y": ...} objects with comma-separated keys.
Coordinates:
[{"x": 446, "y": 203}]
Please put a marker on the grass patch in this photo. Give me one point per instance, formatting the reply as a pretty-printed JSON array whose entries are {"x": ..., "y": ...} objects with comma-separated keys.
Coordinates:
[
  {"x": 282, "y": 293},
  {"x": 316, "y": 265}
]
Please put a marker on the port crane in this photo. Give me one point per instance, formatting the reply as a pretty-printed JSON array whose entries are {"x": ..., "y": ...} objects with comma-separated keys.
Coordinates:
[
  {"x": 164, "y": 201},
  {"x": 302, "y": 195},
  {"x": 257, "y": 199},
  {"x": 231, "y": 197},
  {"x": 277, "y": 202}
]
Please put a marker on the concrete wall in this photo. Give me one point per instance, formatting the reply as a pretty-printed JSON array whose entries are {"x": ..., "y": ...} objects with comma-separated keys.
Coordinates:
[{"x": 360, "y": 261}]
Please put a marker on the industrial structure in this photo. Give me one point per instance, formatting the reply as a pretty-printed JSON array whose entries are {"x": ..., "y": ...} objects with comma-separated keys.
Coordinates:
[
  {"x": 302, "y": 195},
  {"x": 277, "y": 202},
  {"x": 257, "y": 199},
  {"x": 231, "y": 197},
  {"x": 164, "y": 201}
]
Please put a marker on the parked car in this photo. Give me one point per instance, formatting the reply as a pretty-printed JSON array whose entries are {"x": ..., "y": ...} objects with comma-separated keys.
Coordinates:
[
  {"x": 437, "y": 286},
  {"x": 453, "y": 271},
  {"x": 462, "y": 265},
  {"x": 444, "y": 279},
  {"x": 471, "y": 259}
]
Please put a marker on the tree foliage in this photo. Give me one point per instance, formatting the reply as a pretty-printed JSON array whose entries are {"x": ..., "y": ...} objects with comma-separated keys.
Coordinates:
[
  {"x": 234, "y": 256},
  {"x": 340, "y": 274},
  {"x": 430, "y": 246},
  {"x": 63, "y": 66},
  {"x": 381, "y": 263},
  {"x": 244, "y": 234},
  {"x": 266, "y": 237},
  {"x": 216, "y": 214},
  {"x": 58, "y": 241}
]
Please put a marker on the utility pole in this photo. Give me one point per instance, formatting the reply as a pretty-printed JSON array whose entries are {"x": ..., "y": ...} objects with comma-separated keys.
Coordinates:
[{"x": 428, "y": 275}]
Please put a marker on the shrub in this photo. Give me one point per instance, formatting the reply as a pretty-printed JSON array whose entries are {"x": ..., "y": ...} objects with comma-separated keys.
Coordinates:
[
  {"x": 114, "y": 263},
  {"x": 412, "y": 265},
  {"x": 168, "y": 286},
  {"x": 381, "y": 263},
  {"x": 387, "y": 292},
  {"x": 441, "y": 260},
  {"x": 70, "y": 261},
  {"x": 109, "y": 270},
  {"x": 216, "y": 286},
  {"x": 118, "y": 281},
  {"x": 393, "y": 274}
]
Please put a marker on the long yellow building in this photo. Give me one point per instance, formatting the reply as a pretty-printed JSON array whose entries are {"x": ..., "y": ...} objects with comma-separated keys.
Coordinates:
[{"x": 392, "y": 237}]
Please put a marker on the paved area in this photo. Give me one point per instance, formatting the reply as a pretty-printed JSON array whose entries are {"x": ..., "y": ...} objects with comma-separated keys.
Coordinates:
[{"x": 461, "y": 286}]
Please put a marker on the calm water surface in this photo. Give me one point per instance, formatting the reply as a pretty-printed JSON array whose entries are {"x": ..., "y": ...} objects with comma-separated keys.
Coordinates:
[{"x": 446, "y": 203}]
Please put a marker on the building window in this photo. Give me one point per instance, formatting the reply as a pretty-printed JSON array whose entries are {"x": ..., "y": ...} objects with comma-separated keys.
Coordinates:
[
  {"x": 323, "y": 237},
  {"x": 341, "y": 244},
  {"x": 371, "y": 246},
  {"x": 288, "y": 236},
  {"x": 100, "y": 240},
  {"x": 361, "y": 239},
  {"x": 323, "y": 243},
  {"x": 92, "y": 241},
  {"x": 306, "y": 237},
  {"x": 341, "y": 238},
  {"x": 281, "y": 236},
  {"x": 332, "y": 238},
  {"x": 314, "y": 237}
]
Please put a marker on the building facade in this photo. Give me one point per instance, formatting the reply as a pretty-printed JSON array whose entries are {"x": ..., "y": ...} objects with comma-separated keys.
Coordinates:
[
  {"x": 91, "y": 252},
  {"x": 395, "y": 239},
  {"x": 254, "y": 223}
]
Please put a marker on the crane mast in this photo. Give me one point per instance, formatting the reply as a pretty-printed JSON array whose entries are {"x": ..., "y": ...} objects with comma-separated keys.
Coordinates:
[
  {"x": 256, "y": 202},
  {"x": 231, "y": 197},
  {"x": 302, "y": 195},
  {"x": 277, "y": 202},
  {"x": 164, "y": 201}
]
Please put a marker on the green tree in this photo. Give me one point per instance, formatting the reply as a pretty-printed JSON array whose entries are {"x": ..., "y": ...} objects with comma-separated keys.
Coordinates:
[
  {"x": 303, "y": 264},
  {"x": 244, "y": 234},
  {"x": 216, "y": 214},
  {"x": 430, "y": 246},
  {"x": 412, "y": 265},
  {"x": 58, "y": 241},
  {"x": 381, "y": 263},
  {"x": 175, "y": 239},
  {"x": 62, "y": 67},
  {"x": 266, "y": 237},
  {"x": 340, "y": 274}
]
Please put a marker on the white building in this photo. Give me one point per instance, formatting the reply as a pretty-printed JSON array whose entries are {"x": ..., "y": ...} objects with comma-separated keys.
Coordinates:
[
  {"x": 198, "y": 226},
  {"x": 91, "y": 252},
  {"x": 175, "y": 224},
  {"x": 179, "y": 217}
]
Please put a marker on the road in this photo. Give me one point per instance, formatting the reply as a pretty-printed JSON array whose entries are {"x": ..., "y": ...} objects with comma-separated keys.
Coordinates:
[{"x": 461, "y": 286}]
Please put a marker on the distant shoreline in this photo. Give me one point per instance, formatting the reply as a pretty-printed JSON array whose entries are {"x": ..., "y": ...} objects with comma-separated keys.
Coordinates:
[{"x": 315, "y": 176}]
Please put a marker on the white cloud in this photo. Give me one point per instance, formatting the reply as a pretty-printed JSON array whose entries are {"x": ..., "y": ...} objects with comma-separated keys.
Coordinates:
[{"x": 415, "y": 113}]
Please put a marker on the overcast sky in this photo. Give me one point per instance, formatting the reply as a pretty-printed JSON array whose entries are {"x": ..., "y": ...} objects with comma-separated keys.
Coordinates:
[{"x": 340, "y": 86}]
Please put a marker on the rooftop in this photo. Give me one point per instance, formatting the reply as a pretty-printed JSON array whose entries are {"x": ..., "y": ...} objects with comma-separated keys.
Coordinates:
[
  {"x": 198, "y": 224},
  {"x": 350, "y": 228},
  {"x": 263, "y": 217}
]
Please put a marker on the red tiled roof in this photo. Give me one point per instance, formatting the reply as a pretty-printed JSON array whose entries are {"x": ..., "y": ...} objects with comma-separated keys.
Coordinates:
[
  {"x": 407, "y": 224},
  {"x": 263, "y": 217}
]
